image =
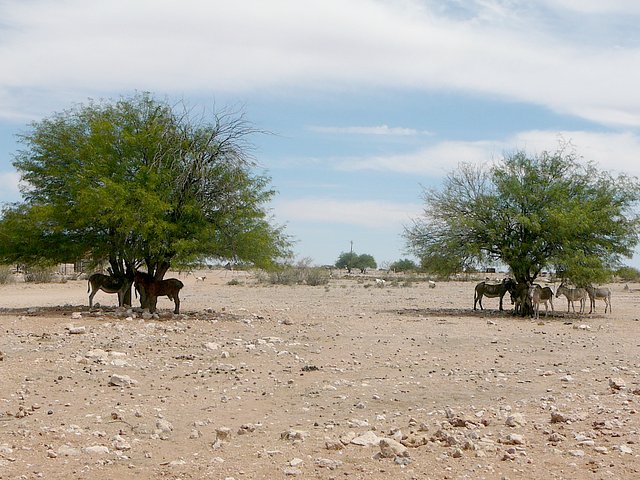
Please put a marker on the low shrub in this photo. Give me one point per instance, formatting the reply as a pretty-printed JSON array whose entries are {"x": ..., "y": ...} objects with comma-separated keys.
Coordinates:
[
  {"x": 316, "y": 276},
  {"x": 6, "y": 274},
  {"x": 312, "y": 276},
  {"x": 628, "y": 274},
  {"x": 39, "y": 275}
]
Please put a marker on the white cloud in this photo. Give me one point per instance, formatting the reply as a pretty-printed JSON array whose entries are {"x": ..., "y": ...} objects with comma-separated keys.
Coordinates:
[
  {"x": 370, "y": 130},
  {"x": 613, "y": 151},
  {"x": 75, "y": 48},
  {"x": 364, "y": 213},
  {"x": 9, "y": 191},
  {"x": 617, "y": 152},
  {"x": 434, "y": 160},
  {"x": 597, "y": 7}
]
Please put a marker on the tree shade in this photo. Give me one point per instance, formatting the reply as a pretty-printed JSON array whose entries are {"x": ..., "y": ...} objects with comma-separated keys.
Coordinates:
[
  {"x": 139, "y": 181},
  {"x": 549, "y": 211}
]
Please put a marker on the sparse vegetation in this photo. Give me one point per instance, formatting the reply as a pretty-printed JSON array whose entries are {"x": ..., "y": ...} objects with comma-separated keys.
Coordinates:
[
  {"x": 6, "y": 275},
  {"x": 628, "y": 274},
  {"x": 295, "y": 275},
  {"x": 39, "y": 275},
  {"x": 403, "y": 265},
  {"x": 317, "y": 276}
]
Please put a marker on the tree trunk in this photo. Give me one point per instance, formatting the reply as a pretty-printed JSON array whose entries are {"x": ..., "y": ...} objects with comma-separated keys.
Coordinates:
[
  {"x": 522, "y": 297},
  {"x": 161, "y": 270},
  {"x": 123, "y": 271}
]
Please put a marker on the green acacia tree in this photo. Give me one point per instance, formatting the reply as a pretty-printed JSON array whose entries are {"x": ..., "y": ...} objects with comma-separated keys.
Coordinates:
[
  {"x": 351, "y": 260},
  {"x": 346, "y": 260},
  {"x": 531, "y": 213},
  {"x": 365, "y": 261},
  {"x": 138, "y": 181}
]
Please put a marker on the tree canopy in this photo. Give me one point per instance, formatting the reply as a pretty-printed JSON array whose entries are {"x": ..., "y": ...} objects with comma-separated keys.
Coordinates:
[
  {"x": 139, "y": 181},
  {"x": 549, "y": 211}
]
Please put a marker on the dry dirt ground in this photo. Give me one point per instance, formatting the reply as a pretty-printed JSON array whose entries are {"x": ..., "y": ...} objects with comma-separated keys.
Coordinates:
[{"x": 349, "y": 380}]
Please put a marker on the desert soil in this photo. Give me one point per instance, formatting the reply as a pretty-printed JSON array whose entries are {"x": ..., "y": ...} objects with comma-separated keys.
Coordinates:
[{"x": 253, "y": 381}]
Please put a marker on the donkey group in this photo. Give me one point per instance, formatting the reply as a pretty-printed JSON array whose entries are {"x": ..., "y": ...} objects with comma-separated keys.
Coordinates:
[
  {"x": 538, "y": 294},
  {"x": 146, "y": 286}
]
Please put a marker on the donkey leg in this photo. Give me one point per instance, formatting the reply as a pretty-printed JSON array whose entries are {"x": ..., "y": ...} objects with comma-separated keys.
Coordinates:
[
  {"x": 91, "y": 295},
  {"x": 176, "y": 299}
]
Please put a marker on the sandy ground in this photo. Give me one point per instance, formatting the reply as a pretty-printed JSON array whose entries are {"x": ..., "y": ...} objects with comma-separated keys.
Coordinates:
[{"x": 351, "y": 380}]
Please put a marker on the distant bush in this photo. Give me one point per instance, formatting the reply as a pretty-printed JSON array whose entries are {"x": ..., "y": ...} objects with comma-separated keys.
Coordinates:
[
  {"x": 628, "y": 274},
  {"x": 6, "y": 274},
  {"x": 234, "y": 281},
  {"x": 404, "y": 265},
  {"x": 317, "y": 276},
  {"x": 39, "y": 275},
  {"x": 300, "y": 275}
]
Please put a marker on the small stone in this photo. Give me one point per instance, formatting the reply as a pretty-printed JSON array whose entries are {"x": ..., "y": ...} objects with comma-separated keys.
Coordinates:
[
  {"x": 582, "y": 326},
  {"x": 347, "y": 437},
  {"x": 357, "y": 423},
  {"x": 163, "y": 425},
  {"x": 557, "y": 417},
  {"x": 576, "y": 453},
  {"x": 68, "y": 451},
  {"x": 617, "y": 383},
  {"x": 120, "y": 443},
  {"x": 328, "y": 463},
  {"x": 457, "y": 453},
  {"x": 584, "y": 440},
  {"x": 514, "y": 439},
  {"x": 515, "y": 420},
  {"x": 246, "y": 428},
  {"x": 294, "y": 435},
  {"x": 556, "y": 437},
  {"x": 368, "y": 439},
  {"x": 97, "y": 355},
  {"x": 121, "y": 381},
  {"x": 390, "y": 448},
  {"x": 333, "y": 444},
  {"x": 96, "y": 450},
  {"x": 77, "y": 330},
  {"x": 623, "y": 449},
  {"x": 223, "y": 434}
]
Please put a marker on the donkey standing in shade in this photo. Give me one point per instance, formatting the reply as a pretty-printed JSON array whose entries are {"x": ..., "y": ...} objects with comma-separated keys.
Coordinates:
[
  {"x": 150, "y": 289},
  {"x": 493, "y": 290},
  {"x": 108, "y": 284}
]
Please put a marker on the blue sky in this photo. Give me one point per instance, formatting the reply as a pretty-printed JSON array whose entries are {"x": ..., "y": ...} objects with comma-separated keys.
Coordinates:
[{"x": 367, "y": 101}]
